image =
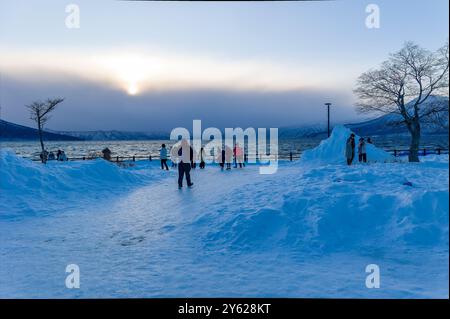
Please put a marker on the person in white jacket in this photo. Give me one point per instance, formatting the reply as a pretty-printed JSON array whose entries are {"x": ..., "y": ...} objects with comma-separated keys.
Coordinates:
[{"x": 174, "y": 156}]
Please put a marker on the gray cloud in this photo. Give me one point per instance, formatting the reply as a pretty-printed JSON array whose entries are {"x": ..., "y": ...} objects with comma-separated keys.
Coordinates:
[{"x": 90, "y": 106}]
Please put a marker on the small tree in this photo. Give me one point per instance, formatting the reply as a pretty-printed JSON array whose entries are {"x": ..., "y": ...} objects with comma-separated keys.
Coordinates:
[
  {"x": 40, "y": 113},
  {"x": 402, "y": 85}
]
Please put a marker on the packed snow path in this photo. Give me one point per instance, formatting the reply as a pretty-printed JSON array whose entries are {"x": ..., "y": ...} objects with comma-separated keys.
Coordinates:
[{"x": 305, "y": 231}]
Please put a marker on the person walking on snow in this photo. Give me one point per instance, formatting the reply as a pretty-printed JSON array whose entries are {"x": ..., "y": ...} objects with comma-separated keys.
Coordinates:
[
  {"x": 185, "y": 154},
  {"x": 350, "y": 149},
  {"x": 163, "y": 157},
  {"x": 362, "y": 155}
]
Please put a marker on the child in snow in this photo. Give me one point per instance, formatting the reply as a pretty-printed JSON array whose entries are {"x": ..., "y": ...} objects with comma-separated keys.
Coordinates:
[
  {"x": 362, "y": 155},
  {"x": 163, "y": 157},
  {"x": 350, "y": 149}
]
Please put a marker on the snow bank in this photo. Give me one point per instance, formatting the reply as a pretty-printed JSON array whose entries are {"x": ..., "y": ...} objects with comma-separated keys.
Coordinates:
[
  {"x": 332, "y": 150},
  {"x": 314, "y": 225},
  {"x": 335, "y": 207},
  {"x": 29, "y": 187}
]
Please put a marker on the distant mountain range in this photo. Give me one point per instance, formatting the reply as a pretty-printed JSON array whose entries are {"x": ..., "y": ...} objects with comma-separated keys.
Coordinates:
[
  {"x": 383, "y": 125},
  {"x": 389, "y": 123},
  {"x": 10, "y": 132},
  {"x": 115, "y": 135}
]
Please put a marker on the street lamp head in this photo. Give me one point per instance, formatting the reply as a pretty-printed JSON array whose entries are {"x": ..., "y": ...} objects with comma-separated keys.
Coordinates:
[{"x": 327, "y": 104}]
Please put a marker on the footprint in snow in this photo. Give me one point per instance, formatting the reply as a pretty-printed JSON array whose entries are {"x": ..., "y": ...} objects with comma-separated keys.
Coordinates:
[
  {"x": 132, "y": 241},
  {"x": 166, "y": 229}
]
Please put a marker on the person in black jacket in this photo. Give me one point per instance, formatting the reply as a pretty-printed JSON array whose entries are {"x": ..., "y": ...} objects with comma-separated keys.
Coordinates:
[
  {"x": 350, "y": 149},
  {"x": 202, "y": 158},
  {"x": 186, "y": 156}
]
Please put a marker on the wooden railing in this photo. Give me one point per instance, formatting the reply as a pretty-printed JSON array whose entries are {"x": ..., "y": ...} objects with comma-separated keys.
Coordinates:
[
  {"x": 422, "y": 151},
  {"x": 291, "y": 156}
]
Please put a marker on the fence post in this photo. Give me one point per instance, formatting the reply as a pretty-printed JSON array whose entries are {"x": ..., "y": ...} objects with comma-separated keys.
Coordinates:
[
  {"x": 84, "y": 158},
  {"x": 290, "y": 156},
  {"x": 395, "y": 153},
  {"x": 424, "y": 152},
  {"x": 117, "y": 159},
  {"x": 134, "y": 158},
  {"x": 439, "y": 151},
  {"x": 149, "y": 157}
]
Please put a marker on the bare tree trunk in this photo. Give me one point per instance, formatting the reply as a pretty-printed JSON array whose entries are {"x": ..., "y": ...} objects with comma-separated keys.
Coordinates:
[
  {"x": 414, "y": 129},
  {"x": 41, "y": 140}
]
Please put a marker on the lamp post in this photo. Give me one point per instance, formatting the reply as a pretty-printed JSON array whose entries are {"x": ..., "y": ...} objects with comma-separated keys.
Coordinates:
[{"x": 328, "y": 110}]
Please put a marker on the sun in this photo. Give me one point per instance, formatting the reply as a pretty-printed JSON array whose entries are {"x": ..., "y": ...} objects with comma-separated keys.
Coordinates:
[{"x": 132, "y": 89}]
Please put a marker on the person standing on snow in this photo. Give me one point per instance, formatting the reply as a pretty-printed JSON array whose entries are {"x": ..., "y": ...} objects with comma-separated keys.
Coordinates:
[
  {"x": 193, "y": 158},
  {"x": 228, "y": 156},
  {"x": 51, "y": 156},
  {"x": 186, "y": 155},
  {"x": 202, "y": 158},
  {"x": 221, "y": 158},
  {"x": 63, "y": 157},
  {"x": 163, "y": 157},
  {"x": 174, "y": 156},
  {"x": 350, "y": 149},
  {"x": 239, "y": 155},
  {"x": 362, "y": 155}
]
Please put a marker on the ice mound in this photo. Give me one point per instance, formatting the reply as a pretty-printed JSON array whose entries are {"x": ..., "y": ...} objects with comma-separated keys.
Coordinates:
[{"x": 332, "y": 150}]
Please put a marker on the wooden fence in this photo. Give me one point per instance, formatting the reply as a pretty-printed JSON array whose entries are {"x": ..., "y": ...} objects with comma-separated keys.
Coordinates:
[{"x": 291, "y": 156}]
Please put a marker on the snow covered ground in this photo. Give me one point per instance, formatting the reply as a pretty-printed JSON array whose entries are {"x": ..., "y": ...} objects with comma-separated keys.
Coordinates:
[{"x": 307, "y": 231}]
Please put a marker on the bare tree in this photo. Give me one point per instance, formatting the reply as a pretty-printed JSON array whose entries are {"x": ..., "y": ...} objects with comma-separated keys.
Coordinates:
[
  {"x": 403, "y": 84},
  {"x": 40, "y": 113}
]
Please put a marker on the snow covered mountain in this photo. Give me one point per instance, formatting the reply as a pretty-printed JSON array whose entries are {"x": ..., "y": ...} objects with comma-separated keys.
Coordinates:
[
  {"x": 11, "y": 131},
  {"x": 388, "y": 123},
  {"x": 293, "y": 132},
  {"x": 116, "y": 135},
  {"x": 383, "y": 125}
]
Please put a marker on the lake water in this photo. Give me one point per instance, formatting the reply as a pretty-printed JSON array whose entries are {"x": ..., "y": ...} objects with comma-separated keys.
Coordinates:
[{"x": 78, "y": 149}]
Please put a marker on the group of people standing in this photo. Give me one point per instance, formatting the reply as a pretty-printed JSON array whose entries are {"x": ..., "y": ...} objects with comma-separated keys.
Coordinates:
[
  {"x": 185, "y": 158},
  {"x": 350, "y": 149},
  {"x": 226, "y": 156},
  {"x": 50, "y": 156}
]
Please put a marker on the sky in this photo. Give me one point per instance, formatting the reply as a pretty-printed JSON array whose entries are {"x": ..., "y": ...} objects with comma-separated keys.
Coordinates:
[{"x": 147, "y": 66}]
